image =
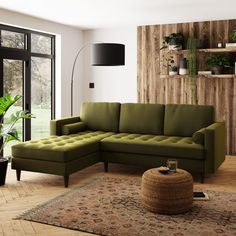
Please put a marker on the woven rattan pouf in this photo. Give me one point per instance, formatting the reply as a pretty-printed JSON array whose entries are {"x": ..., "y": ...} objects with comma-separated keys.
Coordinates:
[{"x": 170, "y": 193}]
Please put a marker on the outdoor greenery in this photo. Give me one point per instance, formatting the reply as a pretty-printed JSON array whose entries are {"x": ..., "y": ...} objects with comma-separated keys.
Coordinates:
[
  {"x": 8, "y": 132},
  {"x": 13, "y": 74}
]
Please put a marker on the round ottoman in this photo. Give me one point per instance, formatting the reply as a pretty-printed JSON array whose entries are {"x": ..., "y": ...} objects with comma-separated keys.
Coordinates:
[{"x": 170, "y": 193}]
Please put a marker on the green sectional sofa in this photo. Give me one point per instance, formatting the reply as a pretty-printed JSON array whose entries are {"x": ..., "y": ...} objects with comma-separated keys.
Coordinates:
[{"x": 130, "y": 133}]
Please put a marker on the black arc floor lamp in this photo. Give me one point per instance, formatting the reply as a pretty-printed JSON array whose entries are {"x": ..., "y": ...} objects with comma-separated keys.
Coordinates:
[{"x": 103, "y": 54}]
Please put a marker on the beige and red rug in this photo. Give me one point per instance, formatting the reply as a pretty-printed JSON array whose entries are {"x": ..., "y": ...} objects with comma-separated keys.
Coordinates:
[{"x": 111, "y": 206}]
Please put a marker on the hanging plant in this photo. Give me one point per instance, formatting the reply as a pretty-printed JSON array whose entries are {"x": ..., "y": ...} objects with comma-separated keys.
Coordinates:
[{"x": 192, "y": 67}]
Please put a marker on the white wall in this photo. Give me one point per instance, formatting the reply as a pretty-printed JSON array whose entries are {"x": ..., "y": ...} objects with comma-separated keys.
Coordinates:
[
  {"x": 114, "y": 83},
  {"x": 68, "y": 41}
]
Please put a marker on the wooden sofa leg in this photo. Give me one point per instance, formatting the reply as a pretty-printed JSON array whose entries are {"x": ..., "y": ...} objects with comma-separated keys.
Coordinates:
[
  {"x": 202, "y": 176},
  {"x": 106, "y": 166},
  {"x": 18, "y": 172},
  {"x": 66, "y": 180}
]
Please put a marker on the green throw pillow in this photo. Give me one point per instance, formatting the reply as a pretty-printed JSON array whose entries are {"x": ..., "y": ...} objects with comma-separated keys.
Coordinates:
[
  {"x": 73, "y": 128},
  {"x": 198, "y": 136}
]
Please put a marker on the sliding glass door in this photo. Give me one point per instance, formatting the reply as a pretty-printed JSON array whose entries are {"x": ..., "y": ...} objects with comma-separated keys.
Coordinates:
[{"x": 27, "y": 69}]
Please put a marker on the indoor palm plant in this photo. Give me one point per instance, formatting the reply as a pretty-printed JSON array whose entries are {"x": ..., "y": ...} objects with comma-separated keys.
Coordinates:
[{"x": 8, "y": 132}]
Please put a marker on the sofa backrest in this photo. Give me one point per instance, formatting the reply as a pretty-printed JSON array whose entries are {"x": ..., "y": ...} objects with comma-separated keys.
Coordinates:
[
  {"x": 184, "y": 120},
  {"x": 102, "y": 116},
  {"x": 142, "y": 118}
]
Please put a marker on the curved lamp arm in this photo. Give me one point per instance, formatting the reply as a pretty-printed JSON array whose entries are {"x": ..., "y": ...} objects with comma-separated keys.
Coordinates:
[
  {"x": 73, "y": 71},
  {"x": 104, "y": 54}
]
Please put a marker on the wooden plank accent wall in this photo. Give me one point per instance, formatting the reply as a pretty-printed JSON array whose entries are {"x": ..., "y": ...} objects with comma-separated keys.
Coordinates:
[{"x": 154, "y": 86}]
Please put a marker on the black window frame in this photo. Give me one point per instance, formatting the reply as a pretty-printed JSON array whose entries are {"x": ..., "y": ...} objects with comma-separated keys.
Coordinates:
[{"x": 25, "y": 55}]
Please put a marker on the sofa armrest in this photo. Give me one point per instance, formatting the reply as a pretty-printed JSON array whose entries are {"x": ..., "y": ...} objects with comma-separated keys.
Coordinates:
[
  {"x": 215, "y": 145},
  {"x": 56, "y": 125}
]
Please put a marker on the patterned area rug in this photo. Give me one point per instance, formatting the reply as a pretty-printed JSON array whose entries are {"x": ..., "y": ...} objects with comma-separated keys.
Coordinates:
[{"x": 111, "y": 206}]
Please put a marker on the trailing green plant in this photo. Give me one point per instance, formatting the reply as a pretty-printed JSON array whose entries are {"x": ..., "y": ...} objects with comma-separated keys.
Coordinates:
[
  {"x": 233, "y": 35},
  {"x": 173, "y": 39},
  {"x": 192, "y": 67},
  {"x": 218, "y": 60},
  {"x": 8, "y": 132},
  {"x": 169, "y": 62}
]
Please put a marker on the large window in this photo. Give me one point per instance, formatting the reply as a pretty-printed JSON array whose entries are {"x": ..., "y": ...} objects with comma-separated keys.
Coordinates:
[{"x": 27, "y": 69}]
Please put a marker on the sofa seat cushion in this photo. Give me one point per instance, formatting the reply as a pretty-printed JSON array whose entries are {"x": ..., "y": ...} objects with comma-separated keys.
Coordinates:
[
  {"x": 169, "y": 146},
  {"x": 63, "y": 148}
]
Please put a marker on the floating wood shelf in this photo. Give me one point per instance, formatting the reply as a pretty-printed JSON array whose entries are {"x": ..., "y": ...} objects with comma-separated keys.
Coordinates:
[
  {"x": 222, "y": 76},
  {"x": 205, "y": 50}
]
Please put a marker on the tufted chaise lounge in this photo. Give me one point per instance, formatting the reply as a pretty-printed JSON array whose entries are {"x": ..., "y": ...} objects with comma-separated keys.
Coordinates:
[{"x": 137, "y": 134}]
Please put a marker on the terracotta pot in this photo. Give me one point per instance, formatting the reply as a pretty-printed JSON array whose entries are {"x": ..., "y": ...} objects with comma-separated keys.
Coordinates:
[{"x": 3, "y": 170}]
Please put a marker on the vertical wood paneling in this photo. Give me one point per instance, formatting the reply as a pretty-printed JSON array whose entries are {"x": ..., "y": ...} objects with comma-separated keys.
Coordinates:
[{"x": 152, "y": 88}]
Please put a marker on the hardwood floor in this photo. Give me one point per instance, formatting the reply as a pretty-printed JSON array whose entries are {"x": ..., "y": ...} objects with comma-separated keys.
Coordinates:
[{"x": 34, "y": 188}]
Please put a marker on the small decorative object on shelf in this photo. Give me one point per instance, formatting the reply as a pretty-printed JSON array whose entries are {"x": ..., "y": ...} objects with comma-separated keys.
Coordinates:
[
  {"x": 220, "y": 45},
  {"x": 172, "y": 165},
  {"x": 183, "y": 67},
  {"x": 174, "y": 41},
  {"x": 204, "y": 72},
  {"x": 230, "y": 45}
]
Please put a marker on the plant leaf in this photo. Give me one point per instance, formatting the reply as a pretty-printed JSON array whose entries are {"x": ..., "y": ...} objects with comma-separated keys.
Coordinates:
[
  {"x": 12, "y": 135},
  {"x": 6, "y": 102}
]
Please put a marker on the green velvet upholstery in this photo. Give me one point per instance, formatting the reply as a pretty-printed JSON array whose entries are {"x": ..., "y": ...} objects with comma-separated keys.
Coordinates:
[
  {"x": 150, "y": 161},
  {"x": 184, "y": 120},
  {"x": 137, "y": 134},
  {"x": 172, "y": 147},
  {"x": 142, "y": 118},
  {"x": 56, "y": 125},
  {"x": 73, "y": 128},
  {"x": 199, "y": 136},
  {"x": 215, "y": 145},
  {"x": 102, "y": 116},
  {"x": 63, "y": 148},
  {"x": 56, "y": 168}
]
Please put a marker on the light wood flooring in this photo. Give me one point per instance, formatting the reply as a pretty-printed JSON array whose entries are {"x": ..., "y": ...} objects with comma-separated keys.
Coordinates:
[{"x": 34, "y": 188}]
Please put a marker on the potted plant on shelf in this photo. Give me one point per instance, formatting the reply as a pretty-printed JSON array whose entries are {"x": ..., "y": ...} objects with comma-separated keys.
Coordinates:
[
  {"x": 169, "y": 63},
  {"x": 217, "y": 63},
  {"x": 172, "y": 68},
  {"x": 174, "y": 41},
  {"x": 8, "y": 132}
]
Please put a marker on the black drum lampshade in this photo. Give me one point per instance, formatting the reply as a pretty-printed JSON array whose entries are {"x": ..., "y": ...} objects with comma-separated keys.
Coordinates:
[{"x": 108, "y": 54}]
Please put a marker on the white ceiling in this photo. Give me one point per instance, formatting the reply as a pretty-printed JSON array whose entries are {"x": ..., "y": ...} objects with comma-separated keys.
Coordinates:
[{"x": 92, "y": 14}]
